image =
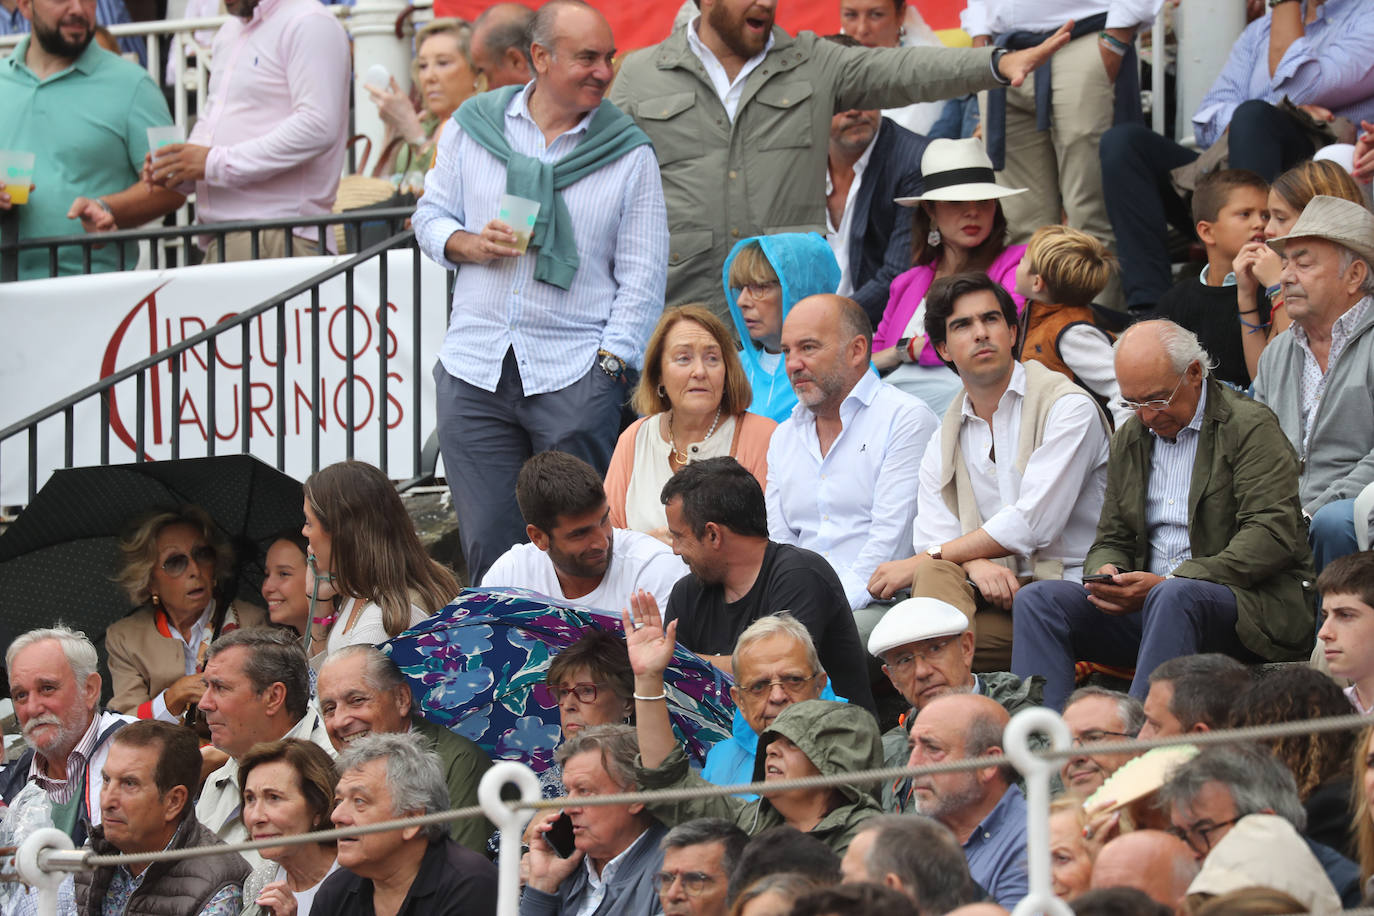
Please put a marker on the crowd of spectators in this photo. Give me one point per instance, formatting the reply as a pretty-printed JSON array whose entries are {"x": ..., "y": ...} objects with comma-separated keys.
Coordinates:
[{"x": 897, "y": 469}]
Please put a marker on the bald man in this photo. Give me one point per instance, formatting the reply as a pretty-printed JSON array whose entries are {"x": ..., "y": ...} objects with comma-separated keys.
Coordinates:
[
  {"x": 500, "y": 45},
  {"x": 1201, "y": 537},
  {"x": 842, "y": 470},
  {"x": 1156, "y": 863},
  {"x": 984, "y": 809}
]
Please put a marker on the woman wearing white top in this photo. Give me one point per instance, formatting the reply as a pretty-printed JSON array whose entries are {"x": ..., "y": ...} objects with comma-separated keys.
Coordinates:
[
  {"x": 287, "y": 788},
  {"x": 364, "y": 545}
]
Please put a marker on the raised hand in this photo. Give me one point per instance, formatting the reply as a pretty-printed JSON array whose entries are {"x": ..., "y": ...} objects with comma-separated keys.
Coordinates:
[{"x": 650, "y": 645}]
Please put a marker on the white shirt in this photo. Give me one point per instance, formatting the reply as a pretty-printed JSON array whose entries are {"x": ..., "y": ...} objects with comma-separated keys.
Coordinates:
[
  {"x": 1167, "y": 492},
  {"x": 190, "y": 650},
  {"x": 1089, "y": 355},
  {"x": 304, "y": 899},
  {"x": 838, "y": 236},
  {"x": 993, "y": 17},
  {"x": 367, "y": 630},
  {"x": 1052, "y": 508},
  {"x": 637, "y": 561},
  {"x": 854, "y": 505},
  {"x": 729, "y": 92},
  {"x": 644, "y": 510}
]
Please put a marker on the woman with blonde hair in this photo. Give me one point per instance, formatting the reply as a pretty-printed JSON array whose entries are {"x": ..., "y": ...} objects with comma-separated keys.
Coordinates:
[
  {"x": 1362, "y": 802},
  {"x": 694, "y": 396},
  {"x": 364, "y": 547}
]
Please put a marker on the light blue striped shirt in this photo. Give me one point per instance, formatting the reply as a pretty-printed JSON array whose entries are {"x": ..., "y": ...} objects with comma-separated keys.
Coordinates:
[
  {"x": 1166, "y": 496},
  {"x": 621, "y": 227}
]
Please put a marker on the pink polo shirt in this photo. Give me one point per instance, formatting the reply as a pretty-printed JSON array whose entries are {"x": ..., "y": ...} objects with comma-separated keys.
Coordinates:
[{"x": 277, "y": 115}]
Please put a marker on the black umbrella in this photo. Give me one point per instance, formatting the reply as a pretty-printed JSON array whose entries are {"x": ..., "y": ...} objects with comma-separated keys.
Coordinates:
[{"x": 58, "y": 560}]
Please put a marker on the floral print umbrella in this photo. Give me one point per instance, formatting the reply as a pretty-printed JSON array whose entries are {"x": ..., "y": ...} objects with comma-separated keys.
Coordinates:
[{"x": 473, "y": 666}]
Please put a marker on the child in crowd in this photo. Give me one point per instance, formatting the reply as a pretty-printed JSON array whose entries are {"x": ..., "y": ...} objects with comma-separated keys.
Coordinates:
[
  {"x": 1230, "y": 209},
  {"x": 1346, "y": 638},
  {"x": 1062, "y": 272}
]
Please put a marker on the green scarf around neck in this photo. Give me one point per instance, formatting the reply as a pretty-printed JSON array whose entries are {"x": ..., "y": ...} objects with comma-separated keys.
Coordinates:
[{"x": 610, "y": 135}]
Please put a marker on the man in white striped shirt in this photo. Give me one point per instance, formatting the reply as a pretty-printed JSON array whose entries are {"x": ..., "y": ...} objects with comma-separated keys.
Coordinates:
[
  {"x": 543, "y": 347},
  {"x": 1201, "y": 538}
]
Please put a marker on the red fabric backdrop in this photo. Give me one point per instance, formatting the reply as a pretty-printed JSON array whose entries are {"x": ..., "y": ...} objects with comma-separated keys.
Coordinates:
[{"x": 637, "y": 23}]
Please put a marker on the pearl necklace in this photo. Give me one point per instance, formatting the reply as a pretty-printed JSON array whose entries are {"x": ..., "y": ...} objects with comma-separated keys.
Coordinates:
[{"x": 682, "y": 456}]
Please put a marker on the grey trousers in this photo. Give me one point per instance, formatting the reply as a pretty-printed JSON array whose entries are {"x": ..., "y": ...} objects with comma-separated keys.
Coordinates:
[{"x": 486, "y": 436}]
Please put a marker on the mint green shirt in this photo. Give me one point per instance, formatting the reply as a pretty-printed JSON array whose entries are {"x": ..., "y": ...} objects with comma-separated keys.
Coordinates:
[{"x": 88, "y": 128}]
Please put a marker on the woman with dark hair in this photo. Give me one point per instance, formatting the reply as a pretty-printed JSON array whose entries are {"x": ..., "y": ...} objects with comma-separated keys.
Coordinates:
[
  {"x": 363, "y": 543},
  {"x": 284, "y": 588},
  {"x": 1319, "y": 761},
  {"x": 957, "y": 226},
  {"x": 286, "y": 789},
  {"x": 174, "y": 563}
]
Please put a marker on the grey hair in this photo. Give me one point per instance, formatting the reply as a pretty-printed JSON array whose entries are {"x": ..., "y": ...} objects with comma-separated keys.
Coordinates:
[
  {"x": 618, "y": 745},
  {"x": 982, "y": 734},
  {"x": 414, "y": 774},
  {"x": 274, "y": 656},
  {"x": 1129, "y": 710},
  {"x": 1180, "y": 344},
  {"x": 1348, "y": 257},
  {"x": 78, "y": 649},
  {"x": 541, "y": 29},
  {"x": 1255, "y": 778},
  {"x": 731, "y": 838},
  {"x": 924, "y": 855},
  {"x": 380, "y": 672},
  {"x": 779, "y": 624}
]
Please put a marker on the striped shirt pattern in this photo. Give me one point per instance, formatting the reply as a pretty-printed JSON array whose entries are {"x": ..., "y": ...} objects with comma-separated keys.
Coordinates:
[
  {"x": 621, "y": 226},
  {"x": 1166, "y": 497},
  {"x": 1312, "y": 384},
  {"x": 60, "y": 790}
]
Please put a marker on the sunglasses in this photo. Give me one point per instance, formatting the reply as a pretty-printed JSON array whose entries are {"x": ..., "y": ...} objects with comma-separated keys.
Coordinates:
[{"x": 176, "y": 564}]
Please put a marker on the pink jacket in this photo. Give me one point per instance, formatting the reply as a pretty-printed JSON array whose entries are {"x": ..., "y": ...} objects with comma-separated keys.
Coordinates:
[{"x": 909, "y": 288}]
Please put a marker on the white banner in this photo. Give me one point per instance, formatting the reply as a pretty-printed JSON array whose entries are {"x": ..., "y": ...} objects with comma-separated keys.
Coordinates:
[{"x": 67, "y": 333}]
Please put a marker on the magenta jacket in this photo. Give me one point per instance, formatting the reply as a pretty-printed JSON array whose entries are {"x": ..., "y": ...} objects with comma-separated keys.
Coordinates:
[{"x": 909, "y": 288}]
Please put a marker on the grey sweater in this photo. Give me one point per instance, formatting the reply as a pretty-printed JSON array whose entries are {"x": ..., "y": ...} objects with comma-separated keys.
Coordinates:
[{"x": 1339, "y": 457}]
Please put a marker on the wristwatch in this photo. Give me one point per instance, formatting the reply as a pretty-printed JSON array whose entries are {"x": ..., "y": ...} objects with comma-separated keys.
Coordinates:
[
  {"x": 935, "y": 551},
  {"x": 610, "y": 364}
]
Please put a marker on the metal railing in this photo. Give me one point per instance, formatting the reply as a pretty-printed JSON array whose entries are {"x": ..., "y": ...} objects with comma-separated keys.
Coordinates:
[{"x": 173, "y": 356}]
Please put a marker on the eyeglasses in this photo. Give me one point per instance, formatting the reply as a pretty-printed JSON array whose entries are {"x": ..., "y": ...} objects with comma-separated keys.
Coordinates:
[
  {"x": 1201, "y": 831},
  {"x": 755, "y": 290},
  {"x": 1097, "y": 736},
  {"x": 1156, "y": 404},
  {"x": 792, "y": 684},
  {"x": 554, "y": 696},
  {"x": 176, "y": 564},
  {"x": 925, "y": 653},
  {"x": 693, "y": 882}
]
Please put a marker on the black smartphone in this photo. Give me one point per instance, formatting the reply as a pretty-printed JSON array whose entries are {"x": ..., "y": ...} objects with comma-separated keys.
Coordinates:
[
  {"x": 1100, "y": 577},
  {"x": 560, "y": 836}
]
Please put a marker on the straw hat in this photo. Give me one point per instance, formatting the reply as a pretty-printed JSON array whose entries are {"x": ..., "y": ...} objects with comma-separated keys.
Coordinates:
[
  {"x": 914, "y": 620},
  {"x": 957, "y": 170},
  {"x": 1339, "y": 221}
]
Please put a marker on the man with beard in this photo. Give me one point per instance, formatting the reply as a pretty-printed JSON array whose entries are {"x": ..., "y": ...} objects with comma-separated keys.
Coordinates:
[
  {"x": 739, "y": 113},
  {"x": 872, "y": 160},
  {"x": 56, "y": 692},
  {"x": 984, "y": 809},
  {"x": 574, "y": 553},
  {"x": 270, "y": 142},
  {"x": 543, "y": 348},
  {"x": 84, "y": 113},
  {"x": 842, "y": 469}
]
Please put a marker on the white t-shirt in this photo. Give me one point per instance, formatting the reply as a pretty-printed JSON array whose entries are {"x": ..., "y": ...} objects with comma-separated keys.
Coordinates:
[
  {"x": 305, "y": 898},
  {"x": 637, "y": 561}
]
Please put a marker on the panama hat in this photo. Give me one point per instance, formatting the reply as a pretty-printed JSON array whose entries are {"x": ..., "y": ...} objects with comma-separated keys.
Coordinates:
[
  {"x": 957, "y": 170},
  {"x": 1339, "y": 221}
]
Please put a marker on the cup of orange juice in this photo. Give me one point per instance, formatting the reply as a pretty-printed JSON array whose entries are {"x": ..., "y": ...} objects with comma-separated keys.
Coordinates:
[{"x": 16, "y": 174}]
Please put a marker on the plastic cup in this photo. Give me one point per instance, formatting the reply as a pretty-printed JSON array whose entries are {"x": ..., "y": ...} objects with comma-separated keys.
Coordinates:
[
  {"x": 520, "y": 214},
  {"x": 16, "y": 174},
  {"x": 158, "y": 137}
]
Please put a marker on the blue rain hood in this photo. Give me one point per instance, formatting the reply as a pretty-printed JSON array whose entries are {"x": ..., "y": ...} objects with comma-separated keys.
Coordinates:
[{"x": 805, "y": 266}]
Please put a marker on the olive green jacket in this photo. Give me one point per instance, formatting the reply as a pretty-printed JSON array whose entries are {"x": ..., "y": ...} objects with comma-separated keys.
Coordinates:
[
  {"x": 1244, "y": 518},
  {"x": 765, "y": 172}
]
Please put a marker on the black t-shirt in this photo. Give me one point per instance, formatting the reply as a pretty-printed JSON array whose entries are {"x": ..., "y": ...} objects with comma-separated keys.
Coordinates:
[
  {"x": 1210, "y": 313},
  {"x": 791, "y": 579}
]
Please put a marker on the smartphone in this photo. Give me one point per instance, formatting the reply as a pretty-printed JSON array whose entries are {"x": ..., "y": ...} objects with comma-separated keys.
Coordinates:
[
  {"x": 560, "y": 836},
  {"x": 1100, "y": 577}
]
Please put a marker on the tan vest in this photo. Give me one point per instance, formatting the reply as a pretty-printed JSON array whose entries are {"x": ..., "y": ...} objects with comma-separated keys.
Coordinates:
[{"x": 1043, "y": 388}]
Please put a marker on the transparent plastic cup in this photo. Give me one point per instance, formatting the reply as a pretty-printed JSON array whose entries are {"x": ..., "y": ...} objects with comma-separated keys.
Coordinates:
[
  {"x": 520, "y": 214},
  {"x": 158, "y": 137},
  {"x": 16, "y": 174}
]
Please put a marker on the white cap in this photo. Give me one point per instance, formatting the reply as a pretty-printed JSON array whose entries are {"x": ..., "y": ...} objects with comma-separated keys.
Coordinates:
[{"x": 913, "y": 620}]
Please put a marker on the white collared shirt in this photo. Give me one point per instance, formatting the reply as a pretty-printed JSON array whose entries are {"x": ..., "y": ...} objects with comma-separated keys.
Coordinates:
[
  {"x": 853, "y": 506},
  {"x": 838, "y": 236},
  {"x": 1167, "y": 492},
  {"x": 1052, "y": 508},
  {"x": 993, "y": 17},
  {"x": 190, "y": 652},
  {"x": 596, "y": 884},
  {"x": 728, "y": 91}
]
